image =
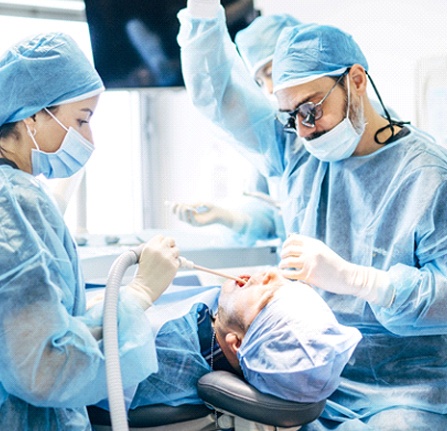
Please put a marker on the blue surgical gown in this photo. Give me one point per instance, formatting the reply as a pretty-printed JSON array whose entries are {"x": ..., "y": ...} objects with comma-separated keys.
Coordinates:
[
  {"x": 387, "y": 210},
  {"x": 51, "y": 365}
]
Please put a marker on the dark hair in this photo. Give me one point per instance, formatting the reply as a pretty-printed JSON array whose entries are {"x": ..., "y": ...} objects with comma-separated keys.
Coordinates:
[
  {"x": 231, "y": 320},
  {"x": 342, "y": 84},
  {"x": 8, "y": 129}
]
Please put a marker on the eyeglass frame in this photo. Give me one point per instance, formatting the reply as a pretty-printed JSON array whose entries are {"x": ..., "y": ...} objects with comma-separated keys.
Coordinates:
[{"x": 290, "y": 126}]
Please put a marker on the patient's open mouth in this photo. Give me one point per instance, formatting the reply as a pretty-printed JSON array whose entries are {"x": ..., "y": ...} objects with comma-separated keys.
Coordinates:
[{"x": 243, "y": 277}]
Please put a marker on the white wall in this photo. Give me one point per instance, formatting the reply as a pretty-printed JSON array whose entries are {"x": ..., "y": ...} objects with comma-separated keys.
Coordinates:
[{"x": 190, "y": 162}]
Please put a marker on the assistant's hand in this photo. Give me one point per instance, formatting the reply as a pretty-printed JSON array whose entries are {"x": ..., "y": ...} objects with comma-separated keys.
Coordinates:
[
  {"x": 310, "y": 260},
  {"x": 157, "y": 267},
  {"x": 202, "y": 214}
]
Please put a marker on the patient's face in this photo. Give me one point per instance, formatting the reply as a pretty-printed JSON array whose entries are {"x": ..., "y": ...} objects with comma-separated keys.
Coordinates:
[
  {"x": 238, "y": 307},
  {"x": 241, "y": 304}
]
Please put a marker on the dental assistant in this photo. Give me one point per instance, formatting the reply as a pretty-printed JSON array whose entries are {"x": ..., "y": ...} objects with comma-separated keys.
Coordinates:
[
  {"x": 364, "y": 197},
  {"x": 51, "y": 359}
]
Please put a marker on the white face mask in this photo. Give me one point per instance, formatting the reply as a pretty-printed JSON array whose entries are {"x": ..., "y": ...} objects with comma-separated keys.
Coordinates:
[
  {"x": 337, "y": 144},
  {"x": 72, "y": 155}
]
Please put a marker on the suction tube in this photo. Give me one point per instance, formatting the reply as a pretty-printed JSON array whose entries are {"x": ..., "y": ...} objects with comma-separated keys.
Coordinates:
[{"x": 118, "y": 414}]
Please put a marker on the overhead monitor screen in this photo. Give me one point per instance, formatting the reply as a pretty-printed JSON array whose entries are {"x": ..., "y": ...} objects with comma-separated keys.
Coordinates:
[{"x": 134, "y": 42}]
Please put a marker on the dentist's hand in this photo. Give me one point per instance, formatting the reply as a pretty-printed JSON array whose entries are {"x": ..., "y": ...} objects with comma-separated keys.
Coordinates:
[
  {"x": 310, "y": 260},
  {"x": 202, "y": 214},
  {"x": 203, "y": 8},
  {"x": 157, "y": 267}
]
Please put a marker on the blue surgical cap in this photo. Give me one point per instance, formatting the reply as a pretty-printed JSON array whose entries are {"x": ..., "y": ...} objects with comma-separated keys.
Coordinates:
[
  {"x": 295, "y": 348},
  {"x": 310, "y": 51},
  {"x": 44, "y": 70},
  {"x": 256, "y": 43}
]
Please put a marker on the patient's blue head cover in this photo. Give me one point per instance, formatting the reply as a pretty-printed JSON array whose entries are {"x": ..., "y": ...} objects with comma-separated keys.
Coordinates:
[
  {"x": 44, "y": 70},
  {"x": 295, "y": 348},
  {"x": 256, "y": 43},
  {"x": 310, "y": 51}
]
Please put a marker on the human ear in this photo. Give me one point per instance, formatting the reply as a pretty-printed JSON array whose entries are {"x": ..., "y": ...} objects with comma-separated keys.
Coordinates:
[
  {"x": 30, "y": 121},
  {"x": 30, "y": 127},
  {"x": 233, "y": 341},
  {"x": 267, "y": 278},
  {"x": 357, "y": 75}
]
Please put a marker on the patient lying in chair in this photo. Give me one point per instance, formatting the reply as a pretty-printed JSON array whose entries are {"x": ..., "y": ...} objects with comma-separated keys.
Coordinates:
[{"x": 278, "y": 334}]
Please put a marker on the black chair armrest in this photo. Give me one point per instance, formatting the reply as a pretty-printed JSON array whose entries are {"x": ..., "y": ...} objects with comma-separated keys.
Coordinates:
[
  {"x": 230, "y": 393},
  {"x": 152, "y": 416}
]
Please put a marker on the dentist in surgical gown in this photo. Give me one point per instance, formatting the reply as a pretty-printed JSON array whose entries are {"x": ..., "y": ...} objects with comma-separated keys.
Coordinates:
[
  {"x": 51, "y": 359},
  {"x": 254, "y": 218},
  {"x": 364, "y": 198}
]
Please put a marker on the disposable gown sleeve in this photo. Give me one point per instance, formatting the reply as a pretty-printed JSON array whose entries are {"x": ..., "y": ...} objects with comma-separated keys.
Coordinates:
[
  {"x": 49, "y": 357},
  {"x": 266, "y": 221},
  {"x": 262, "y": 225},
  {"x": 421, "y": 290},
  {"x": 221, "y": 88}
]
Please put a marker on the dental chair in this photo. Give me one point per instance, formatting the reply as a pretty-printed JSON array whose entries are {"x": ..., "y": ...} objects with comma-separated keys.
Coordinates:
[{"x": 232, "y": 404}]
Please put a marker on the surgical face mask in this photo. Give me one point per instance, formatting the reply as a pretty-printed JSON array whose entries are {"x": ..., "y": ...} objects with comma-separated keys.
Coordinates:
[
  {"x": 72, "y": 155},
  {"x": 340, "y": 142}
]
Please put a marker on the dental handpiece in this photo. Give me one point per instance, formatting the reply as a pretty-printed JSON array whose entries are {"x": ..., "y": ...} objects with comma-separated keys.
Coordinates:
[{"x": 185, "y": 263}]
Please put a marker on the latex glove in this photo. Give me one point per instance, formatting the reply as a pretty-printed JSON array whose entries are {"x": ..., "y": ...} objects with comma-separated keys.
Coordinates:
[
  {"x": 310, "y": 260},
  {"x": 95, "y": 300},
  {"x": 157, "y": 267},
  {"x": 202, "y": 214},
  {"x": 203, "y": 8}
]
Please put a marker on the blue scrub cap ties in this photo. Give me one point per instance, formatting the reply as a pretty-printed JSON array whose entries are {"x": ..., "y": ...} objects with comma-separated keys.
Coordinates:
[
  {"x": 41, "y": 71},
  {"x": 310, "y": 51},
  {"x": 256, "y": 43},
  {"x": 295, "y": 349}
]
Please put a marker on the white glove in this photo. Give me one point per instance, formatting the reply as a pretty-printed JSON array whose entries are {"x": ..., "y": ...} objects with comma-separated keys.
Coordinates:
[
  {"x": 202, "y": 214},
  {"x": 157, "y": 267},
  {"x": 312, "y": 261},
  {"x": 203, "y": 8}
]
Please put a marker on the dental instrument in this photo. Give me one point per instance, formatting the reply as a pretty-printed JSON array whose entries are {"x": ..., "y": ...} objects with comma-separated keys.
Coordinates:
[
  {"x": 263, "y": 197},
  {"x": 196, "y": 210},
  {"x": 185, "y": 263}
]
